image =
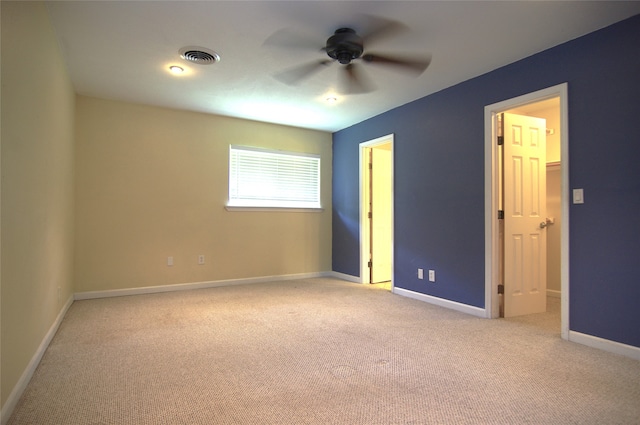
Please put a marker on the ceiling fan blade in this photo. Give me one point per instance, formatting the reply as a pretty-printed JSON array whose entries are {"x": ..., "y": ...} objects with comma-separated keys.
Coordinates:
[
  {"x": 355, "y": 81},
  {"x": 376, "y": 28},
  {"x": 289, "y": 39},
  {"x": 296, "y": 74},
  {"x": 415, "y": 65}
]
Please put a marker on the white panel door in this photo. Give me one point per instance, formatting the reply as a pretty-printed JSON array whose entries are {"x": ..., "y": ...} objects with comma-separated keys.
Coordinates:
[
  {"x": 524, "y": 191},
  {"x": 381, "y": 215}
]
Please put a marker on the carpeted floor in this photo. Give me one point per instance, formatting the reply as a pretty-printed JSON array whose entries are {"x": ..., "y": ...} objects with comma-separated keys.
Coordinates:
[{"x": 317, "y": 351}]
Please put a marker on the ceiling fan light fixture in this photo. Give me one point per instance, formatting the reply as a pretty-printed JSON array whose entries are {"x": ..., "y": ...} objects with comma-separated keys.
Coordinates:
[
  {"x": 344, "y": 57},
  {"x": 344, "y": 45}
]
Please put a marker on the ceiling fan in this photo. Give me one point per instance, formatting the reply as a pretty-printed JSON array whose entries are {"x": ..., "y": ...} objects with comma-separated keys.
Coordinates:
[{"x": 347, "y": 47}]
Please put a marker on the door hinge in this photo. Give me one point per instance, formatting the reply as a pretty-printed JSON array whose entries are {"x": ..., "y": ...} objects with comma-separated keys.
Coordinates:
[
  {"x": 500, "y": 214},
  {"x": 369, "y": 214},
  {"x": 500, "y": 289},
  {"x": 371, "y": 165},
  {"x": 370, "y": 264},
  {"x": 500, "y": 140}
]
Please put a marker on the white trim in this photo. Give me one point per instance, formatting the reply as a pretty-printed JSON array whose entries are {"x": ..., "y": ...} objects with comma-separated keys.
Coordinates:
[
  {"x": 347, "y": 277},
  {"x": 286, "y": 179},
  {"x": 553, "y": 293},
  {"x": 272, "y": 209},
  {"x": 605, "y": 345},
  {"x": 491, "y": 199},
  {"x": 192, "y": 285},
  {"x": 491, "y": 272},
  {"x": 564, "y": 208},
  {"x": 364, "y": 269},
  {"x": 22, "y": 383},
  {"x": 452, "y": 305}
]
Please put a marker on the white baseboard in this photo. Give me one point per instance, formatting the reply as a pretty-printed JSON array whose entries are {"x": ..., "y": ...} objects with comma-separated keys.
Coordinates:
[
  {"x": 553, "y": 293},
  {"x": 605, "y": 344},
  {"x": 22, "y": 383},
  {"x": 464, "y": 308},
  {"x": 347, "y": 277},
  {"x": 194, "y": 285}
]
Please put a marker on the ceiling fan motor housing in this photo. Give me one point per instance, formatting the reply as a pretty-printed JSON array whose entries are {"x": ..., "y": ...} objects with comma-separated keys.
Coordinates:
[{"x": 344, "y": 45}]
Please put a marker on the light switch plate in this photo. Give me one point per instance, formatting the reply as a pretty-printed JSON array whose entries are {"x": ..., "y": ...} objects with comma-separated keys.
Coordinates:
[{"x": 578, "y": 196}]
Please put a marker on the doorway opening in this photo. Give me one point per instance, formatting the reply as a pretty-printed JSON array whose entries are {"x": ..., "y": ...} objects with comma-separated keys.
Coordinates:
[
  {"x": 376, "y": 212},
  {"x": 553, "y": 227}
]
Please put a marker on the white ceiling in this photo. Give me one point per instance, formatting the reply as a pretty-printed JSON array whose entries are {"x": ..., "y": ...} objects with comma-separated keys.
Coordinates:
[{"x": 122, "y": 49}]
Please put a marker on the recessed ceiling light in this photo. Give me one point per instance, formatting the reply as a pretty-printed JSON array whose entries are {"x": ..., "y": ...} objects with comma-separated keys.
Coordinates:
[
  {"x": 331, "y": 99},
  {"x": 176, "y": 69}
]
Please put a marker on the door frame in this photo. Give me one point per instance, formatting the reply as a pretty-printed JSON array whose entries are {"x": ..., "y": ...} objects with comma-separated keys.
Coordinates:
[
  {"x": 364, "y": 227},
  {"x": 491, "y": 198}
]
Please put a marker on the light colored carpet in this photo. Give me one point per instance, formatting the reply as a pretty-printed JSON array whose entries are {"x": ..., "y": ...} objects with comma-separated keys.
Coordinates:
[{"x": 316, "y": 351}]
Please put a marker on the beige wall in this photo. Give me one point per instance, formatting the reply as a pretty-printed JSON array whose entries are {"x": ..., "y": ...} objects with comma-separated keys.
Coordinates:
[
  {"x": 153, "y": 183},
  {"x": 149, "y": 183},
  {"x": 37, "y": 186},
  {"x": 116, "y": 188}
]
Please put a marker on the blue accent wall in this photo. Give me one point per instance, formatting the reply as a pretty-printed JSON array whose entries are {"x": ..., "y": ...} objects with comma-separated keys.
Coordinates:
[{"x": 439, "y": 180}]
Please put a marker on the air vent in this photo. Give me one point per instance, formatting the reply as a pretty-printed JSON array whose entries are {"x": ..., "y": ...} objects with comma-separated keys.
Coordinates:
[{"x": 199, "y": 55}]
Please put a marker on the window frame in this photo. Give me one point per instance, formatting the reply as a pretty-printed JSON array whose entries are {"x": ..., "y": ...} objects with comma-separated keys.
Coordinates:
[{"x": 235, "y": 203}]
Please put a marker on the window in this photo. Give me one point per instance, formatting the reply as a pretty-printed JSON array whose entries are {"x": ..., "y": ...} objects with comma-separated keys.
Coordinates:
[{"x": 273, "y": 179}]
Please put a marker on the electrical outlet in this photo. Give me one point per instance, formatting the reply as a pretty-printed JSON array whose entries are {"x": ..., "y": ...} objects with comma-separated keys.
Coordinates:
[
  {"x": 420, "y": 274},
  {"x": 169, "y": 261},
  {"x": 200, "y": 259},
  {"x": 432, "y": 275}
]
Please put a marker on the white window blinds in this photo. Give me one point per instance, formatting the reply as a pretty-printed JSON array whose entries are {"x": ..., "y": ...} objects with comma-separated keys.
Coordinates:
[{"x": 267, "y": 178}]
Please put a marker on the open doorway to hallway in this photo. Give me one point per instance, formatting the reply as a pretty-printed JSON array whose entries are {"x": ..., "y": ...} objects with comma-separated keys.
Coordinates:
[{"x": 376, "y": 212}]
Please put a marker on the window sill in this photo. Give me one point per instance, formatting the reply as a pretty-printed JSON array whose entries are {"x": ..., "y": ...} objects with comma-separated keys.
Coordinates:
[{"x": 274, "y": 209}]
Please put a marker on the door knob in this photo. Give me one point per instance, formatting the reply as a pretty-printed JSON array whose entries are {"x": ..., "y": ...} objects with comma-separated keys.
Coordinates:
[{"x": 546, "y": 222}]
